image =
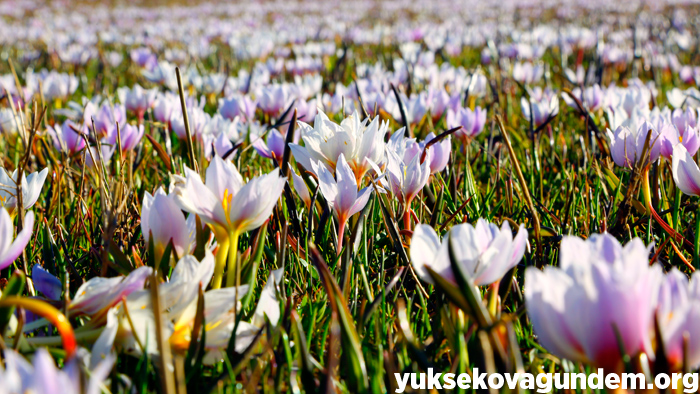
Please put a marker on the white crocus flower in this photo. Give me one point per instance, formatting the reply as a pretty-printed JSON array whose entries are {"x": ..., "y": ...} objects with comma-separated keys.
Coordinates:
[
  {"x": 31, "y": 188},
  {"x": 359, "y": 142},
  {"x": 228, "y": 205}
]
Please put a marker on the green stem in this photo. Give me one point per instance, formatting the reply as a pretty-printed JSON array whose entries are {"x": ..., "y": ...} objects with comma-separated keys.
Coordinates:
[
  {"x": 220, "y": 263},
  {"x": 677, "y": 209},
  {"x": 646, "y": 190},
  {"x": 232, "y": 279}
]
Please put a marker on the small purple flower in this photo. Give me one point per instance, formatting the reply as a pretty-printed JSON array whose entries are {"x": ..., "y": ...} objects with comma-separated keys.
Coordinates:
[
  {"x": 137, "y": 99},
  {"x": 627, "y": 145},
  {"x": 46, "y": 283},
  {"x": 472, "y": 122},
  {"x": 274, "y": 148},
  {"x": 438, "y": 154},
  {"x": 237, "y": 105},
  {"x": 107, "y": 117},
  {"x": 130, "y": 136},
  {"x": 144, "y": 57},
  {"x": 67, "y": 137}
]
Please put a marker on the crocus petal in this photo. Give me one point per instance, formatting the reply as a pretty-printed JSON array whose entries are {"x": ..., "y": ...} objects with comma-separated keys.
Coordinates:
[
  {"x": 685, "y": 171},
  {"x": 425, "y": 245},
  {"x": 269, "y": 305},
  {"x": 362, "y": 198},
  {"x": 46, "y": 283},
  {"x": 254, "y": 202},
  {"x": 32, "y": 188},
  {"x": 102, "y": 348},
  {"x": 11, "y": 254}
]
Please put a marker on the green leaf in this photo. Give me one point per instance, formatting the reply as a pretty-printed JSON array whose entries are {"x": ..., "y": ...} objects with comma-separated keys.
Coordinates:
[
  {"x": 14, "y": 287},
  {"x": 352, "y": 348}
]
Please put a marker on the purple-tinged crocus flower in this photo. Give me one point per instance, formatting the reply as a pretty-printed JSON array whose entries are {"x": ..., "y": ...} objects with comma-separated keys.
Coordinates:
[
  {"x": 95, "y": 297},
  {"x": 67, "y": 137},
  {"x": 162, "y": 219},
  {"x": 671, "y": 136},
  {"x": 11, "y": 248},
  {"x": 341, "y": 193},
  {"x": 484, "y": 251},
  {"x": 592, "y": 98},
  {"x": 600, "y": 287},
  {"x": 543, "y": 108},
  {"x": 679, "y": 315},
  {"x": 107, "y": 117},
  {"x": 18, "y": 376},
  {"x": 686, "y": 173},
  {"x": 129, "y": 134},
  {"x": 627, "y": 145},
  {"x": 137, "y": 99},
  {"x": 237, "y": 105},
  {"x": 274, "y": 148},
  {"x": 47, "y": 284},
  {"x": 144, "y": 57},
  {"x": 301, "y": 188},
  {"x": 472, "y": 122},
  {"x": 683, "y": 119},
  {"x": 405, "y": 180},
  {"x": 165, "y": 106},
  {"x": 437, "y": 155}
]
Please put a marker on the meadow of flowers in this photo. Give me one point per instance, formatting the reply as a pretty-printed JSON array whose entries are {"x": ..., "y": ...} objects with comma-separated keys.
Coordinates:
[{"x": 312, "y": 196}]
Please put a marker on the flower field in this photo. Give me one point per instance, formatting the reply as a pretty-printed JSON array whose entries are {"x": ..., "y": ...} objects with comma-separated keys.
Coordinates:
[{"x": 307, "y": 196}]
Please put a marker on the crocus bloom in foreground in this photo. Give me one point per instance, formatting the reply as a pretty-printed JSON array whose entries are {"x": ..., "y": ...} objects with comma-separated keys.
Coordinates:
[
  {"x": 598, "y": 287},
  {"x": 11, "y": 249},
  {"x": 95, "y": 297},
  {"x": 627, "y": 145},
  {"x": 19, "y": 376},
  {"x": 341, "y": 193},
  {"x": 484, "y": 251},
  {"x": 227, "y": 205},
  {"x": 359, "y": 143},
  {"x": 31, "y": 188},
  {"x": 178, "y": 307},
  {"x": 686, "y": 173},
  {"x": 679, "y": 315},
  {"x": 162, "y": 218}
]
